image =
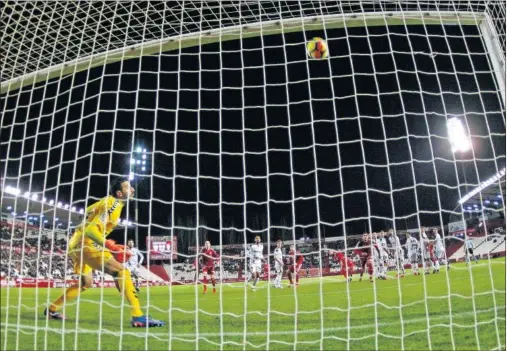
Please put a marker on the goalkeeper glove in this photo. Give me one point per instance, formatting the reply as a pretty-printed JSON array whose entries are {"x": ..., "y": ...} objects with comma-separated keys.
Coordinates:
[{"x": 119, "y": 251}]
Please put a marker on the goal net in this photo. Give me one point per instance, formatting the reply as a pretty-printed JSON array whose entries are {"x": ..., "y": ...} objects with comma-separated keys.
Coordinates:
[{"x": 228, "y": 130}]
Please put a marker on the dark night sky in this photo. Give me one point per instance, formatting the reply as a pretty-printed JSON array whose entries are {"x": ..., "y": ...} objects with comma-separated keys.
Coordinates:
[{"x": 359, "y": 125}]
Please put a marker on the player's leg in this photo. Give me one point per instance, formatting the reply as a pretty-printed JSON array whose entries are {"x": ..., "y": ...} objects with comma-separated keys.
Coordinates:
[
  {"x": 385, "y": 265},
  {"x": 351, "y": 270},
  {"x": 431, "y": 260},
  {"x": 415, "y": 264},
  {"x": 72, "y": 292},
  {"x": 363, "y": 268},
  {"x": 445, "y": 262},
  {"x": 438, "y": 256},
  {"x": 85, "y": 282},
  {"x": 205, "y": 280},
  {"x": 122, "y": 275},
  {"x": 135, "y": 274},
  {"x": 380, "y": 267},
  {"x": 251, "y": 270},
  {"x": 257, "y": 274},
  {"x": 399, "y": 263},
  {"x": 290, "y": 272},
  {"x": 278, "y": 277},
  {"x": 371, "y": 268},
  {"x": 213, "y": 281}
]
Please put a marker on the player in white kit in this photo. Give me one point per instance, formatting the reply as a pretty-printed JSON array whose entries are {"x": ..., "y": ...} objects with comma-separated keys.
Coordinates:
[
  {"x": 398, "y": 253},
  {"x": 439, "y": 251},
  {"x": 278, "y": 260},
  {"x": 256, "y": 257},
  {"x": 413, "y": 247},
  {"x": 384, "y": 255},
  {"x": 135, "y": 260},
  {"x": 425, "y": 251}
]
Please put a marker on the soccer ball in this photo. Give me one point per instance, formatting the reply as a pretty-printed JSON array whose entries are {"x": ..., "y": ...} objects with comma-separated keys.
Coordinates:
[{"x": 317, "y": 48}]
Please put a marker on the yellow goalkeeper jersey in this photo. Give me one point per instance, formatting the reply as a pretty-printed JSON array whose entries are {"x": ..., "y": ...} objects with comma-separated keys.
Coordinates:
[{"x": 105, "y": 214}]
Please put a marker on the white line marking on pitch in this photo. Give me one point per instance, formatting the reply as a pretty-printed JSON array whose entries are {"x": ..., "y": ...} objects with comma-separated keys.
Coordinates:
[{"x": 19, "y": 327}]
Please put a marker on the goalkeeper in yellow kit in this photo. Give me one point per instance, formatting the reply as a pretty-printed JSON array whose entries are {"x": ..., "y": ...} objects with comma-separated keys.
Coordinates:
[{"x": 89, "y": 251}]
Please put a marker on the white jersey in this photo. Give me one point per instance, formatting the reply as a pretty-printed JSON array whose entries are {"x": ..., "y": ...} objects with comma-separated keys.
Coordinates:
[
  {"x": 278, "y": 256},
  {"x": 396, "y": 245},
  {"x": 412, "y": 246},
  {"x": 469, "y": 244},
  {"x": 392, "y": 241},
  {"x": 439, "y": 245},
  {"x": 256, "y": 256},
  {"x": 256, "y": 252},
  {"x": 382, "y": 245},
  {"x": 425, "y": 246},
  {"x": 136, "y": 259}
]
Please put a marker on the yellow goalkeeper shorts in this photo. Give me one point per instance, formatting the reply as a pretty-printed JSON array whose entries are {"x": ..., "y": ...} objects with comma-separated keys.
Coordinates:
[{"x": 89, "y": 258}]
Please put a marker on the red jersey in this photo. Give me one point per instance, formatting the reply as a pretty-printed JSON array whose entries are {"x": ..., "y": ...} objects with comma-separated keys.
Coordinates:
[
  {"x": 430, "y": 249},
  {"x": 209, "y": 256},
  {"x": 344, "y": 260},
  {"x": 364, "y": 249},
  {"x": 297, "y": 255}
]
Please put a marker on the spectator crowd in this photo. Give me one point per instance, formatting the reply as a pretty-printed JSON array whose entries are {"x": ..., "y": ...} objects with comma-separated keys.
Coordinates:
[{"x": 26, "y": 254}]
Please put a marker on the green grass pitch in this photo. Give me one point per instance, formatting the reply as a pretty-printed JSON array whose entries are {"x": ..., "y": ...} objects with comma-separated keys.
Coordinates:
[{"x": 437, "y": 313}]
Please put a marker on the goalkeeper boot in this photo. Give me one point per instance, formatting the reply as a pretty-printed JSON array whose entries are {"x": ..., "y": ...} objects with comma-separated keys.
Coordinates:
[
  {"x": 143, "y": 322},
  {"x": 53, "y": 315}
]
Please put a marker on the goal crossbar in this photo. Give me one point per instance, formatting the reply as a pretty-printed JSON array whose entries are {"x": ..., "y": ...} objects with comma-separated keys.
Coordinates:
[{"x": 333, "y": 21}]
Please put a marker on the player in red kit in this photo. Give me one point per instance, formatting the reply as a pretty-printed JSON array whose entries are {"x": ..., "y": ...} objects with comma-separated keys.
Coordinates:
[
  {"x": 346, "y": 264},
  {"x": 365, "y": 249},
  {"x": 207, "y": 260},
  {"x": 295, "y": 261},
  {"x": 431, "y": 250}
]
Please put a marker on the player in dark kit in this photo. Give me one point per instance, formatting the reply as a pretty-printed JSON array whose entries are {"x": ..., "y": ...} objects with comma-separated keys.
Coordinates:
[
  {"x": 294, "y": 263},
  {"x": 365, "y": 251},
  {"x": 207, "y": 261}
]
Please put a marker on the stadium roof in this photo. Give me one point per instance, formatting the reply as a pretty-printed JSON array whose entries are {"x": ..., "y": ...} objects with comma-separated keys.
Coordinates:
[
  {"x": 21, "y": 206},
  {"x": 37, "y": 210},
  {"x": 490, "y": 194}
]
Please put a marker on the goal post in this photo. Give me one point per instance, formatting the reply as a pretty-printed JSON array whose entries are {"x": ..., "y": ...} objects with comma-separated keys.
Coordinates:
[{"x": 229, "y": 131}]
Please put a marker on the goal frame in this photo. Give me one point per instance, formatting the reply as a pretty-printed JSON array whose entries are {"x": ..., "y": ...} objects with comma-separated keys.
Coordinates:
[{"x": 350, "y": 20}]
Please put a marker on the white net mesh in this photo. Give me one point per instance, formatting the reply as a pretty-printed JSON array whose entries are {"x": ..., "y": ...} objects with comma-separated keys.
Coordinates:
[{"x": 229, "y": 131}]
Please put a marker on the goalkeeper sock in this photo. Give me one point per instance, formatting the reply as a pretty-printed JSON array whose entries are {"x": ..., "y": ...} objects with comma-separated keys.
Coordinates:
[
  {"x": 128, "y": 290},
  {"x": 70, "y": 294}
]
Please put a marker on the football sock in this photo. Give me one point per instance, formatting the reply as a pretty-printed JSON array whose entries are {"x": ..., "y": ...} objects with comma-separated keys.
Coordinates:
[
  {"x": 127, "y": 289},
  {"x": 213, "y": 282},
  {"x": 70, "y": 294}
]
